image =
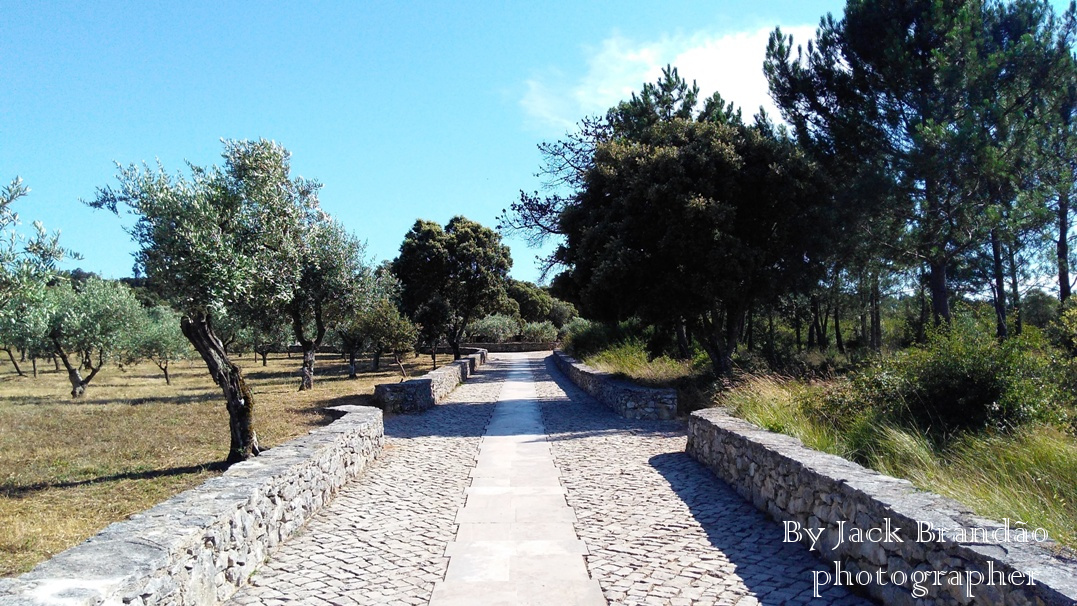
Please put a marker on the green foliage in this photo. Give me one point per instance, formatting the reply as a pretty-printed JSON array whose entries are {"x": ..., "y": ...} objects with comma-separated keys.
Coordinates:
[
  {"x": 387, "y": 329},
  {"x": 1039, "y": 308},
  {"x": 561, "y": 313},
  {"x": 220, "y": 241},
  {"x": 689, "y": 217},
  {"x": 96, "y": 318},
  {"x": 539, "y": 332},
  {"x": 534, "y": 303},
  {"x": 584, "y": 338},
  {"x": 630, "y": 359},
  {"x": 27, "y": 265},
  {"x": 571, "y": 334},
  {"x": 269, "y": 334},
  {"x": 157, "y": 338},
  {"x": 964, "y": 378},
  {"x": 495, "y": 328},
  {"x": 332, "y": 278},
  {"x": 927, "y": 115},
  {"x": 450, "y": 276}
]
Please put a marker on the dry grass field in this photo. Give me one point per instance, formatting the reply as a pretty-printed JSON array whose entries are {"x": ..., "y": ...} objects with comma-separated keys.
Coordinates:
[{"x": 69, "y": 468}]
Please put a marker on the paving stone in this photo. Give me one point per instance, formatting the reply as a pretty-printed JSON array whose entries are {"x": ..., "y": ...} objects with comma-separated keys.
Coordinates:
[
  {"x": 661, "y": 528},
  {"x": 384, "y": 536},
  {"x": 650, "y": 525}
]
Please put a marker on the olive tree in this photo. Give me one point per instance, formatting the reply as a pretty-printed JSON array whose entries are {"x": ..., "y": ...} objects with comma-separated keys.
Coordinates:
[
  {"x": 268, "y": 334},
  {"x": 389, "y": 331},
  {"x": 328, "y": 287},
  {"x": 376, "y": 312},
  {"x": 89, "y": 326},
  {"x": 26, "y": 267},
  {"x": 159, "y": 340},
  {"x": 219, "y": 243}
]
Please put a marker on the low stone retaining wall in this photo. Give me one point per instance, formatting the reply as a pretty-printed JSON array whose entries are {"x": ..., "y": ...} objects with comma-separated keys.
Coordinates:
[
  {"x": 198, "y": 547},
  {"x": 628, "y": 400},
  {"x": 417, "y": 395},
  {"x": 899, "y": 544}
]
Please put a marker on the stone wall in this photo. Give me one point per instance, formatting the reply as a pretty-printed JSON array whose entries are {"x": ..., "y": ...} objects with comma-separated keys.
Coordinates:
[
  {"x": 419, "y": 394},
  {"x": 198, "y": 547},
  {"x": 628, "y": 400},
  {"x": 940, "y": 542}
]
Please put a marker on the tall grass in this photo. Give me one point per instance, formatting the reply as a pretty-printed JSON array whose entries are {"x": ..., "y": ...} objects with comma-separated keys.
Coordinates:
[
  {"x": 630, "y": 359},
  {"x": 1027, "y": 474}
]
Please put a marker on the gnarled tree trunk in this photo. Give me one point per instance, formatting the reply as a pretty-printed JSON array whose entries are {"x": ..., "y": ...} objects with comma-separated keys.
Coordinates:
[
  {"x": 74, "y": 374},
  {"x": 238, "y": 397}
]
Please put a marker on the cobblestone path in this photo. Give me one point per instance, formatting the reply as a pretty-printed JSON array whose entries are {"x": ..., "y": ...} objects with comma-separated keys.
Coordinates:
[
  {"x": 382, "y": 540},
  {"x": 656, "y": 527},
  {"x": 660, "y": 527}
]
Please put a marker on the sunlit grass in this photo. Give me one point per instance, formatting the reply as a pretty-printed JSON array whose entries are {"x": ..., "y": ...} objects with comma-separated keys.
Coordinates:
[
  {"x": 630, "y": 360},
  {"x": 70, "y": 467}
]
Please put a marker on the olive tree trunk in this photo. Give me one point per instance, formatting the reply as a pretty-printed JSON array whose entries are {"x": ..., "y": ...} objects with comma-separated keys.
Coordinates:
[
  {"x": 74, "y": 373},
  {"x": 310, "y": 346},
  {"x": 238, "y": 397},
  {"x": 13, "y": 362}
]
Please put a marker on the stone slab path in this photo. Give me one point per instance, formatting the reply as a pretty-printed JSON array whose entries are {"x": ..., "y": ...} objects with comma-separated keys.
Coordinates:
[
  {"x": 516, "y": 542},
  {"x": 521, "y": 489}
]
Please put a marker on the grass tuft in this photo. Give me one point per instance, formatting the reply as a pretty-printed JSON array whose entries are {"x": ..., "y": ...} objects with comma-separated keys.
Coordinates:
[{"x": 630, "y": 360}]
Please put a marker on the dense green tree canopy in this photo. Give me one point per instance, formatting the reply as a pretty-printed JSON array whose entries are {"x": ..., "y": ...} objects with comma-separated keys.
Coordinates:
[
  {"x": 450, "y": 276},
  {"x": 938, "y": 102},
  {"x": 691, "y": 219}
]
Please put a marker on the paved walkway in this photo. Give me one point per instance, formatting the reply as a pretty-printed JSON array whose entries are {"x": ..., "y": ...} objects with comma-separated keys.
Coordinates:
[{"x": 521, "y": 489}]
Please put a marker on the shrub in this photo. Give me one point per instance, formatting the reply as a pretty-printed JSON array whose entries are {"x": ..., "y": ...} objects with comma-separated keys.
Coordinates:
[
  {"x": 584, "y": 338},
  {"x": 497, "y": 328},
  {"x": 964, "y": 378},
  {"x": 539, "y": 332}
]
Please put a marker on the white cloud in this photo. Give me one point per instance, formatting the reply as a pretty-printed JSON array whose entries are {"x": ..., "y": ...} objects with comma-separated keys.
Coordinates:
[{"x": 731, "y": 64}]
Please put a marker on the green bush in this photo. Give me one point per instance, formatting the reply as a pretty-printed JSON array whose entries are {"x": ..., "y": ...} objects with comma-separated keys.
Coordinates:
[
  {"x": 964, "y": 378},
  {"x": 584, "y": 338},
  {"x": 496, "y": 328},
  {"x": 539, "y": 332}
]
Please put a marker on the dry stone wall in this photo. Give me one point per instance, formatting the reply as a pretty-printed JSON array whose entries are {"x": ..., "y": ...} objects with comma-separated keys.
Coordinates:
[
  {"x": 901, "y": 545},
  {"x": 416, "y": 395},
  {"x": 198, "y": 547},
  {"x": 628, "y": 400}
]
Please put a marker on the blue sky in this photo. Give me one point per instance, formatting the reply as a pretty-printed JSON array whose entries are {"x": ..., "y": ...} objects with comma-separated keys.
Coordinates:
[{"x": 402, "y": 110}]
